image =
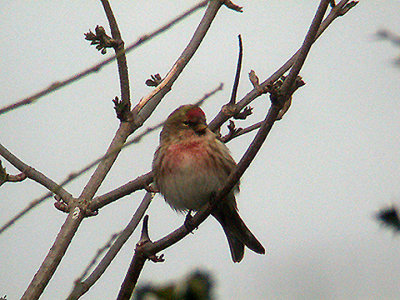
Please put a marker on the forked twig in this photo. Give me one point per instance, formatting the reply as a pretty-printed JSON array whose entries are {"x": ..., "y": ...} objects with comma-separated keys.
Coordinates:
[{"x": 95, "y": 68}]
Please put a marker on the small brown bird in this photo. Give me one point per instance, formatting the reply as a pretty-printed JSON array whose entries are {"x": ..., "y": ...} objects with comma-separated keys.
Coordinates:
[{"x": 190, "y": 165}]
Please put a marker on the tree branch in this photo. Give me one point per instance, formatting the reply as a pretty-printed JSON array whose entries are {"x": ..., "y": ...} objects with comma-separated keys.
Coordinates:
[
  {"x": 147, "y": 104},
  {"x": 287, "y": 86},
  {"x": 81, "y": 287},
  {"x": 339, "y": 10},
  {"x": 139, "y": 183},
  {"x": 237, "y": 76},
  {"x": 35, "y": 175},
  {"x": 5, "y": 177},
  {"x": 121, "y": 59},
  {"x": 136, "y": 265}
]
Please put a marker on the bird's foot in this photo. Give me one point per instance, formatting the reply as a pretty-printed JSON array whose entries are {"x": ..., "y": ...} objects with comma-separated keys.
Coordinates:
[
  {"x": 188, "y": 222},
  {"x": 151, "y": 188},
  {"x": 213, "y": 199}
]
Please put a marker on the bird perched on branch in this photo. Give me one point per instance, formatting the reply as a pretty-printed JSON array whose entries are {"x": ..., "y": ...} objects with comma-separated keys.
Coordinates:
[{"x": 191, "y": 165}]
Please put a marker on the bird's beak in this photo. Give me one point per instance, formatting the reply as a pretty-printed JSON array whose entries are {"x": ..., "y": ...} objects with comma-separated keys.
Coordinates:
[{"x": 201, "y": 128}]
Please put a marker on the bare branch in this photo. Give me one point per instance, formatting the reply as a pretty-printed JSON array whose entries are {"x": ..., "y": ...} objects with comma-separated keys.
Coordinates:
[
  {"x": 224, "y": 114},
  {"x": 283, "y": 96},
  {"x": 136, "y": 265},
  {"x": 59, "y": 84},
  {"x": 5, "y": 177},
  {"x": 238, "y": 69},
  {"x": 139, "y": 183},
  {"x": 229, "y": 4},
  {"x": 230, "y": 136},
  {"x": 121, "y": 59},
  {"x": 82, "y": 287},
  {"x": 35, "y": 175},
  {"x": 148, "y": 103},
  {"x": 287, "y": 87}
]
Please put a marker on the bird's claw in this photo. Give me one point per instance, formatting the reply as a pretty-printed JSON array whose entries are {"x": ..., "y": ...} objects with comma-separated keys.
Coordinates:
[
  {"x": 151, "y": 188},
  {"x": 188, "y": 222}
]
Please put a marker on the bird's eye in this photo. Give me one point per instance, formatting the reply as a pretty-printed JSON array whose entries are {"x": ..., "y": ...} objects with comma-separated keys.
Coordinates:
[{"x": 186, "y": 123}]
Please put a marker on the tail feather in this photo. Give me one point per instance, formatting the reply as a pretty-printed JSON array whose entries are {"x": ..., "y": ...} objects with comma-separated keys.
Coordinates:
[
  {"x": 237, "y": 232},
  {"x": 235, "y": 245}
]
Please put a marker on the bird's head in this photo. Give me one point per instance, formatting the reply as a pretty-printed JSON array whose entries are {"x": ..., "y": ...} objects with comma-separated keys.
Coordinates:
[{"x": 185, "y": 120}]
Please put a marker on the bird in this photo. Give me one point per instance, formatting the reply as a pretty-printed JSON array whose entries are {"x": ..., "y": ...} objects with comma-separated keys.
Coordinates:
[{"x": 190, "y": 165}]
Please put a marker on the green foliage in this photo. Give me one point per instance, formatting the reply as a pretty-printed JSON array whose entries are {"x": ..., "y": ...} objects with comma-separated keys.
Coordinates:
[{"x": 197, "y": 285}]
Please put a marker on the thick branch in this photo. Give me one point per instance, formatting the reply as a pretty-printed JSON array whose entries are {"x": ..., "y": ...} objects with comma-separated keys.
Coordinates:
[{"x": 53, "y": 258}]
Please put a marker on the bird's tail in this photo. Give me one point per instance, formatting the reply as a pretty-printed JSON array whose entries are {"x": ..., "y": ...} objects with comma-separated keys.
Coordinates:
[{"x": 236, "y": 232}]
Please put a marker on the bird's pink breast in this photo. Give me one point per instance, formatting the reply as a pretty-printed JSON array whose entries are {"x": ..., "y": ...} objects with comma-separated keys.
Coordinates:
[
  {"x": 178, "y": 156},
  {"x": 188, "y": 175}
]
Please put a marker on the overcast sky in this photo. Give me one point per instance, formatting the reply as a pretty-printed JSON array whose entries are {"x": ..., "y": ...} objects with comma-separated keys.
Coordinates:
[{"x": 310, "y": 195}]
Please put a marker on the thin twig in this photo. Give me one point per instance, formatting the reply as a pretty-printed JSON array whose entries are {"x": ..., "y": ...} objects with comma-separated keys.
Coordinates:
[
  {"x": 59, "y": 84},
  {"x": 99, "y": 252},
  {"x": 287, "y": 86},
  {"x": 227, "y": 138},
  {"x": 35, "y": 175},
  {"x": 5, "y": 177},
  {"x": 120, "y": 55},
  {"x": 238, "y": 69},
  {"x": 128, "y": 188}
]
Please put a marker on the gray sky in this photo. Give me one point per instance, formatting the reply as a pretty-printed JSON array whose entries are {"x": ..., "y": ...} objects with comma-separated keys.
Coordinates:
[{"x": 310, "y": 195}]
